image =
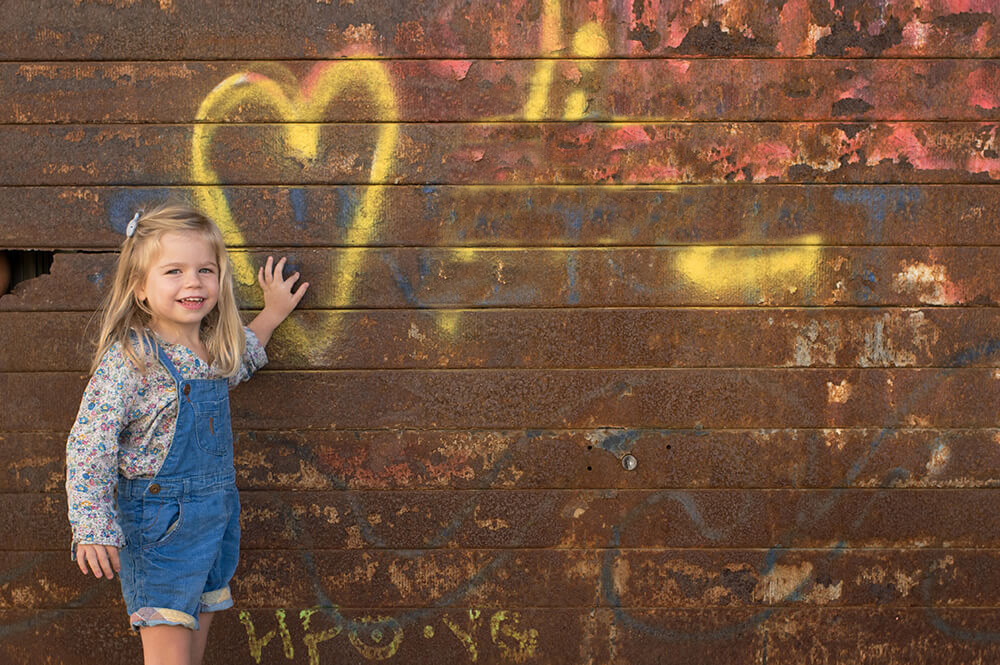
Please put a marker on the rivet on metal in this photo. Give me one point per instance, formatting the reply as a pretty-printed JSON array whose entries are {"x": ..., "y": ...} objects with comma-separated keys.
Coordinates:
[{"x": 630, "y": 462}]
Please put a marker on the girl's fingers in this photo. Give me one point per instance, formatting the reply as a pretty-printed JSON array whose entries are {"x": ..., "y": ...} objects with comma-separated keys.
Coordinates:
[
  {"x": 294, "y": 277},
  {"x": 269, "y": 269},
  {"x": 102, "y": 556},
  {"x": 95, "y": 564},
  {"x": 81, "y": 558},
  {"x": 115, "y": 561},
  {"x": 297, "y": 296}
]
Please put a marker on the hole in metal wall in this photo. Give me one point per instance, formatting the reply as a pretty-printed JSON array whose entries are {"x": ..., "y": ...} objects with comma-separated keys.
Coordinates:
[{"x": 17, "y": 265}]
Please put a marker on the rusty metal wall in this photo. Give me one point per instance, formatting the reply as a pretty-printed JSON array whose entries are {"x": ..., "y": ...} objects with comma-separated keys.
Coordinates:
[{"x": 754, "y": 245}]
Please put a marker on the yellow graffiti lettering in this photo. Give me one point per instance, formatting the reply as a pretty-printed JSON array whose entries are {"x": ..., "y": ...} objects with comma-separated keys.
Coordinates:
[
  {"x": 257, "y": 644},
  {"x": 300, "y": 109},
  {"x": 726, "y": 268},
  {"x": 525, "y": 642},
  {"x": 313, "y": 640},
  {"x": 465, "y": 637},
  {"x": 377, "y": 629}
]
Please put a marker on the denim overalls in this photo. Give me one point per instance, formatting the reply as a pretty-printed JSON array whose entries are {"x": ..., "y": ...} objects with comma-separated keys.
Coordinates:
[{"x": 182, "y": 530}]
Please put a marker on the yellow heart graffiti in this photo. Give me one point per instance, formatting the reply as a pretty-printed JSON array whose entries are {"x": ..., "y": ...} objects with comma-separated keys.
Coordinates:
[{"x": 300, "y": 108}]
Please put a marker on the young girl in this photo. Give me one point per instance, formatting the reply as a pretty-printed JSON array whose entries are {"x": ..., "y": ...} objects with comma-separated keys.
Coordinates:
[{"x": 153, "y": 428}]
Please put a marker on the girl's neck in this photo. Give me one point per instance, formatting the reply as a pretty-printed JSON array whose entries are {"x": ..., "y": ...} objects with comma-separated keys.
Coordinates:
[{"x": 191, "y": 338}]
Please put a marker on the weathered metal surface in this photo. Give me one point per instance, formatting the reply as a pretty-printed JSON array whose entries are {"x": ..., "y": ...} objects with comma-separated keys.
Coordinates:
[
  {"x": 545, "y": 399},
  {"x": 664, "y": 578},
  {"x": 94, "y": 217},
  {"x": 190, "y": 29},
  {"x": 607, "y": 518},
  {"x": 576, "y": 338},
  {"x": 573, "y": 459},
  {"x": 719, "y": 276},
  {"x": 294, "y": 635},
  {"x": 750, "y": 245},
  {"x": 500, "y": 152},
  {"x": 461, "y": 90}
]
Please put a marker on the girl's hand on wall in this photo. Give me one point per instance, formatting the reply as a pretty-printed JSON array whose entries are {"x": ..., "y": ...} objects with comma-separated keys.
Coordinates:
[
  {"x": 279, "y": 298},
  {"x": 102, "y": 559}
]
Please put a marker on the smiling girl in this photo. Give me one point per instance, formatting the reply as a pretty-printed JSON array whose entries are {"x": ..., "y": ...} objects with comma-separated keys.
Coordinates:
[{"x": 149, "y": 461}]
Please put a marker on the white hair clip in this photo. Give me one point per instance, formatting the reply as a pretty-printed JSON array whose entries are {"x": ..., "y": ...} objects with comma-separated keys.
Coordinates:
[{"x": 130, "y": 229}]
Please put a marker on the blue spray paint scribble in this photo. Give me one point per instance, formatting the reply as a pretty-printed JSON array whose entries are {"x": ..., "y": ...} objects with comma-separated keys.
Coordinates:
[
  {"x": 124, "y": 203},
  {"x": 617, "y": 442},
  {"x": 402, "y": 282},
  {"x": 348, "y": 202},
  {"x": 573, "y": 296},
  {"x": 877, "y": 201},
  {"x": 300, "y": 207}
]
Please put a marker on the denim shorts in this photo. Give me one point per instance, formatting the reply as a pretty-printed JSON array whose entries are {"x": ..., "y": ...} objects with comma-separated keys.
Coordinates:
[{"x": 182, "y": 540}]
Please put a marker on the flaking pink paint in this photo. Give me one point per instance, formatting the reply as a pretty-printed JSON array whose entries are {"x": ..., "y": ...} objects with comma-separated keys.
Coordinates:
[
  {"x": 629, "y": 137},
  {"x": 903, "y": 142},
  {"x": 984, "y": 86},
  {"x": 456, "y": 70}
]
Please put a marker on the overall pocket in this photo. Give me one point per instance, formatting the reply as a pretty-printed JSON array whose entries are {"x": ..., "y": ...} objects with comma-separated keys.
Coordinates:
[
  {"x": 211, "y": 426},
  {"x": 161, "y": 519}
]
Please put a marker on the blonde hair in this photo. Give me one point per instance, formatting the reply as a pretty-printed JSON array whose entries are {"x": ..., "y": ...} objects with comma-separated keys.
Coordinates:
[{"x": 123, "y": 313}]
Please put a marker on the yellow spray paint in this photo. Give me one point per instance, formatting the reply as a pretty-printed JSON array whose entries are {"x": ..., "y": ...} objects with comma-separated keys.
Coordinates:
[
  {"x": 379, "y": 637},
  {"x": 300, "y": 109},
  {"x": 588, "y": 42},
  {"x": 465, "y": 636},
  {"x": 313, "y": 640},
  {"x": 383, "y": 646},
  {"x": 721, "y": 269},
  {"x": 257, "y": 644},
  {"x": 524, "y": 642},
  {"x": 551, "y": 43}
]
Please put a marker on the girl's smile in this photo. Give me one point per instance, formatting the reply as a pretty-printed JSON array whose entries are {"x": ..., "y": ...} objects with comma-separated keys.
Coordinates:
[{"x": 181, "y": 286}]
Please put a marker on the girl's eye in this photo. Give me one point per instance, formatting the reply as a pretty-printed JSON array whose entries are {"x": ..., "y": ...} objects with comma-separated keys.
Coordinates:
[
  {"x": 172, "y": 271},
  {"x": 208, "y": 270}
]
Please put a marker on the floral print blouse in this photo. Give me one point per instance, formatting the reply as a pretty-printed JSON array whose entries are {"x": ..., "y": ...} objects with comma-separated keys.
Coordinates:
[{"x": 125, "y": 426}]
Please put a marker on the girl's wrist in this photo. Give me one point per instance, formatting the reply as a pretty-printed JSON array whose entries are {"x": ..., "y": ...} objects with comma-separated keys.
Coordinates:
[{"x": 264, "y": 324}]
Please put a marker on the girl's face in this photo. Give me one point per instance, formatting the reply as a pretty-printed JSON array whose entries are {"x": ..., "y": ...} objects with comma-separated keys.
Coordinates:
[{"x": 182, "y": 284}]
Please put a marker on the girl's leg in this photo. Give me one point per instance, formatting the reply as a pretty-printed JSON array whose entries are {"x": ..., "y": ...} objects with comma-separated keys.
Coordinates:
[
  {"x": 166, "y": 645},
  {"x": 200, "y": 637}
]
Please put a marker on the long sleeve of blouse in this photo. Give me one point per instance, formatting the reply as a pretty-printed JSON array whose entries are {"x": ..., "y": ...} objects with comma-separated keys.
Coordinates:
[
  {"x": 124, "y": 427},
  {"x": 92, "y": 450}
]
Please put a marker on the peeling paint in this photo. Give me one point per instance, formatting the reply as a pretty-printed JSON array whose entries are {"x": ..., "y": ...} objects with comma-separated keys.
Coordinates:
[
  {"x": 929, "y": 283},
  {"x": 838, "y": 393}
]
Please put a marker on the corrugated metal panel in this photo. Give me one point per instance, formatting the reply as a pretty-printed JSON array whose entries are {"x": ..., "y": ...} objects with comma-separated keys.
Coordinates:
[{"x": 751, "y": 245}]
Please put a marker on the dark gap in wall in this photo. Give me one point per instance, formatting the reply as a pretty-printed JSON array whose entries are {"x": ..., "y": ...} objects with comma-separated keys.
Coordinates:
[{"x": 17, "y": 265}]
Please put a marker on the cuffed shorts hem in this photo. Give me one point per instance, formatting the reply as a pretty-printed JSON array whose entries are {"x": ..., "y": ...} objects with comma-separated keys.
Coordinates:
[
  {"x": 214, "y": 601},
  {"x": 161, "y": 616}
]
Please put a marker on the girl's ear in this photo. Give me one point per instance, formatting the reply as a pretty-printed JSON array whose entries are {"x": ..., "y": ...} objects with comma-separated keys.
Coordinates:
[{"x": 140, "y": 292}]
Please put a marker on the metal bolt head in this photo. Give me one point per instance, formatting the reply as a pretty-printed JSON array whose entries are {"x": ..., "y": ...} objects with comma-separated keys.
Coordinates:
[{"x": 629, "y": 462}]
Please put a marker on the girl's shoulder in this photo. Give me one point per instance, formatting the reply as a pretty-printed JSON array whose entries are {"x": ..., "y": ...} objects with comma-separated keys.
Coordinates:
[{"x": 117, "y": 361}]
